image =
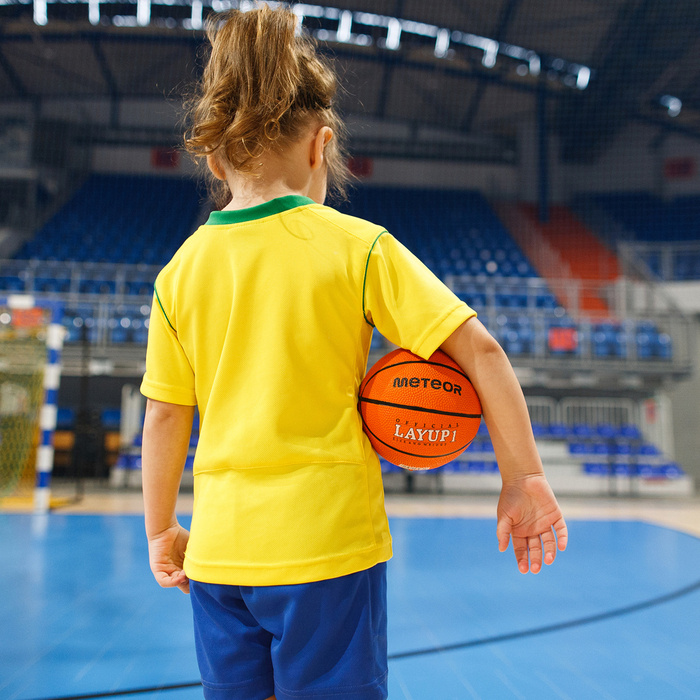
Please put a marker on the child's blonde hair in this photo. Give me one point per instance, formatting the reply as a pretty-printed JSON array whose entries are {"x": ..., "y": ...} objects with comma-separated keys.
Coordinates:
[{"x": 262, "y": 86}]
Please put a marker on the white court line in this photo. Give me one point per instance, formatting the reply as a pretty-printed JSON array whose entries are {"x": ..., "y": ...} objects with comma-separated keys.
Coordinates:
[{"x": 681, "y": 514}]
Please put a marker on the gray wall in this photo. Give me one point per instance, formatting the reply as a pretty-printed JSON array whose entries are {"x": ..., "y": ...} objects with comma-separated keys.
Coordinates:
[{"x": 685, "y": 401}]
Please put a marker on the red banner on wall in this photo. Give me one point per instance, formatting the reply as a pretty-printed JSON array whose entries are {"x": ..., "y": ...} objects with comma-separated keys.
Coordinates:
[
  {"x": 562, "y": 339},
  {"x": 680, "y": 168},
  {"x": 165, "y": 157},
  {"x": 360, "y": 166}
]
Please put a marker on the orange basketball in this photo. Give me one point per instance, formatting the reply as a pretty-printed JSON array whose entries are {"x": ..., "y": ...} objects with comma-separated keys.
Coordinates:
[{"x": 419, "y": 414}]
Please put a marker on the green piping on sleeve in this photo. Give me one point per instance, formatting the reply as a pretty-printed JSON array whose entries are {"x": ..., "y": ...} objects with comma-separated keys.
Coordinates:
[
  {"x": 163, "y": 310},
  {"x": 364, "y": 281}
]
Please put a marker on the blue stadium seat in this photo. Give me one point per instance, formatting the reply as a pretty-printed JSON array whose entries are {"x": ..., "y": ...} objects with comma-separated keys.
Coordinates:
[
  {"x": 558, "y": 431},
  {"x": 378, "y": 341},
  {"x": 651, "y": 219},
  {"x": 599, "y": 447},
  {"x": 65, "y": 418},
  {"x": 11, "y": 283},
  {"x": 539, "y": 430},
  {"x": 596, "y": 468},
  {"x": 139, "y": 329},
  {"x": 579, "y": 448},
  {"x": 139, "y": 287},
  {"x": 630, "y": 432},
  {"x": 606, "y": 430},
  {"x": 511, "y": 342},
  {"x": 649, "y": 450},
  {"x": 111, "y": 418},
  {"x": 582, "y": 431},
  {"x": 609, "y": 340},
  {"x": 118, "y": 218},
  {"x": 120, "y": 329}
]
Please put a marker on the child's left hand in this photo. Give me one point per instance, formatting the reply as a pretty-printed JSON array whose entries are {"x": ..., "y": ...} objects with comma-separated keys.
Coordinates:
[
  {"x": 528, "y": 510},
  {"x": 166, "y": 553}
]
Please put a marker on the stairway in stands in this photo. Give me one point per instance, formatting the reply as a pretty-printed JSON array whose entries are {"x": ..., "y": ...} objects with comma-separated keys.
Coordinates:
[{"x": 564, "y": 249}]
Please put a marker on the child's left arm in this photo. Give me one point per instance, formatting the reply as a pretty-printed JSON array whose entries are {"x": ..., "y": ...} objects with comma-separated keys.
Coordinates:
[
  {"x": 166, "y": 437},
  {"x": 527, "y": 508}
]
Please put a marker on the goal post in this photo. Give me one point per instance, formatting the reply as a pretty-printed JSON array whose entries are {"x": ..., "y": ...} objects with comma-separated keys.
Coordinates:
[{"x": 31, "y": 342}]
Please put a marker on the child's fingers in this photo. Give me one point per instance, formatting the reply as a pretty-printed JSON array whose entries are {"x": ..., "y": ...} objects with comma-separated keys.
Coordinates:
[
  {"x": 503, "y": 531},
  {"x": 171, "y": 579},
  {"x": 534, "y": 546},
  {"x": 520, "y": 547},
  {"x": 549, "y": 545},
  {"x": 562, "y": 534}
]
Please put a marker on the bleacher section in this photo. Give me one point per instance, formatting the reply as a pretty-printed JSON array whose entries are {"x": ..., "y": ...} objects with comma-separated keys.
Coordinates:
[
  {"x": 103, "y": 249},
  {"x": 460, "y": 238},
  {"x": 666, "y": 232},
  {"x": 580, "y": 459},
  {"x": 452, "y": 232},
  {"x": 649, "y": 218},
  {"x": 106, "y": 245},
  {"x": 116, "y": 219},
  {"x": 458, "y": 235},
  {"x": 585, "y": 257},
  {"x": 101, "y": 252}
]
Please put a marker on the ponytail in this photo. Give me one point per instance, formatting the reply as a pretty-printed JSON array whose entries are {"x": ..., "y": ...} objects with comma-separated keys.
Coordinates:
[{"x": 262, "y": 85}]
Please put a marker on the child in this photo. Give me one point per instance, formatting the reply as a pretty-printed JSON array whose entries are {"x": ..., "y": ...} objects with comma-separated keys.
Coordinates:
[{"x": 263, "y": 320}]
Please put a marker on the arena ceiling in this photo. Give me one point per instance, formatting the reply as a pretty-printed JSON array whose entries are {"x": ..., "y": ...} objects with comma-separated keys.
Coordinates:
[{"x": 476, "y": 69}]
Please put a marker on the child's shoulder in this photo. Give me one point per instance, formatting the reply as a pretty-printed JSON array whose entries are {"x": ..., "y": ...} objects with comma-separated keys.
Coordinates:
[
  {"x": 352, "y": 225},
  {"x": 171, "y": 269}
]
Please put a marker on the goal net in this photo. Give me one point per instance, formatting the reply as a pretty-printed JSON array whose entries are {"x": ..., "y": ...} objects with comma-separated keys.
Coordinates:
[{"x": 30, "y": 343}]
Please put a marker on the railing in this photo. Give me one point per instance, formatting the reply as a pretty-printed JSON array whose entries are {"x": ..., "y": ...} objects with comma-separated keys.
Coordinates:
[
  {"x": 541, "y": 254},
  {"x": 661, "y": 261},
  {"x": 600, "y": 418},
  {"x": 592, "y": 412},
  {"x": 108, "y": 305},
  {"x": 598, "y": 411},
  {"x": 527, "y": 317},
  {"x": 543, "y": 410},
  {"x": 76, "y": 278}
]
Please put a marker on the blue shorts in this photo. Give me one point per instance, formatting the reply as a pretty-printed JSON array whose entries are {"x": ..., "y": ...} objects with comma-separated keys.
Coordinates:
[{"x": 323, "y": 641}]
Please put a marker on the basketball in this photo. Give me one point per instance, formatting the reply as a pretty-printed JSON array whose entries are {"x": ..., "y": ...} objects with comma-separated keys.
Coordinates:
[{"x": 418, "y": 414}]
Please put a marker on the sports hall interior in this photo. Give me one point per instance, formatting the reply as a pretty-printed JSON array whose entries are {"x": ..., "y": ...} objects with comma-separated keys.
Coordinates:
[{"x": 542, "y": 157}]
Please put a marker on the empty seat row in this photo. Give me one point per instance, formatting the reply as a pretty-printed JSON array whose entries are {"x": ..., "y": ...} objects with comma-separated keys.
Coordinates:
[
  {"x": 667, "y": 470},
  {"x": 453, "y": 232},
  {"x": 523, "y": 335},
  {"x": 119, "y": 219},
  {"x": 612, "y": 448},
  {"x": 122, "y": 325},
  {"x": 66, "y": 418},
  {"x": 580, "y": 431},
  {"x": 507, "y": 296},
  {"x": 607, "y": 340},
  {"x": 671, "y": 227},
  {"x": 80, "y": 284}
]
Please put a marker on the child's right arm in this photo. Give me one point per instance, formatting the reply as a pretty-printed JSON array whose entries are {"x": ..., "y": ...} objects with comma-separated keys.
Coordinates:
[
  {"x": 166, "y": 434},
  {"x": 527, "y": 508}
]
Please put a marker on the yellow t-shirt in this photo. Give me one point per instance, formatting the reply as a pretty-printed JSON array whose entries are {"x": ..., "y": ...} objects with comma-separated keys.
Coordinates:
[{"x": 263, "y": 319}]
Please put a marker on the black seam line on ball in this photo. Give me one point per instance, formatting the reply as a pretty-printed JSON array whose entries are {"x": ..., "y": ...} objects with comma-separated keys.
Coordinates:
[{"x": 420, "y": 408}]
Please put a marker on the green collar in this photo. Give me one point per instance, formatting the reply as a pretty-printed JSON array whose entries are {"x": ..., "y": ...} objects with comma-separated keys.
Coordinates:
[{"x": 275, "y": 206}]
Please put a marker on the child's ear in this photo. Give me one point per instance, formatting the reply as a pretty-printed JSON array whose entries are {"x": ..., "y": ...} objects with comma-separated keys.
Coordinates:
[
  {"x": 319, "y": 143},
  {"x": 216, "y": 170}
]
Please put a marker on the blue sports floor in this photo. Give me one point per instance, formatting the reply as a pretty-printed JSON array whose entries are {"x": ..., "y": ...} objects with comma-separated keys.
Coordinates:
[{"x": 616, "y": 617}]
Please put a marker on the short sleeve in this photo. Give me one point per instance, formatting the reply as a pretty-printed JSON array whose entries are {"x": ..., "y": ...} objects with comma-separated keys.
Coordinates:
[
  {"x": 169, "y": 376},
  {"x": 406, "y": 302}
]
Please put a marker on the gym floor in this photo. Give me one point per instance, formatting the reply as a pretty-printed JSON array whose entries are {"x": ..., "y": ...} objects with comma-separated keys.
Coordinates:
[{"x": 616, "y": 617}]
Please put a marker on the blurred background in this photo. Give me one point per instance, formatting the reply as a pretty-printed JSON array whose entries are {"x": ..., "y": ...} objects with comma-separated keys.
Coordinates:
[{"x": 541, "y": 156}]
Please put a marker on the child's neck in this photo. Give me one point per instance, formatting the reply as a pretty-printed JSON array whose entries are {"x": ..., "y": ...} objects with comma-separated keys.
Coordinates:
[
  {"x": 278, "y": 175},
  {"x": 245, "y": 197}
]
